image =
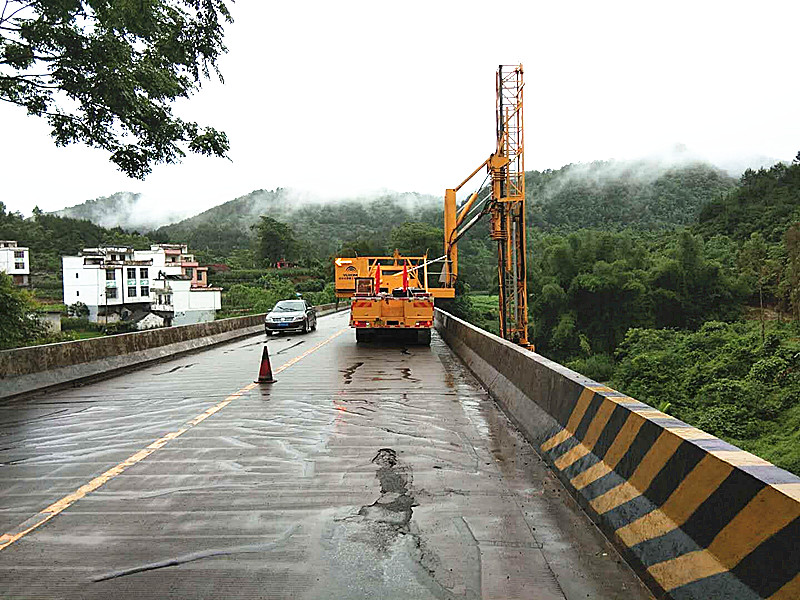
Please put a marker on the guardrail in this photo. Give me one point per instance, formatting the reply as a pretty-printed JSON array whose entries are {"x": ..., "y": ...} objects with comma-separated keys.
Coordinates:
[
  {"x": 35, "y": 368},
  {"x": 696, "y": 517}
]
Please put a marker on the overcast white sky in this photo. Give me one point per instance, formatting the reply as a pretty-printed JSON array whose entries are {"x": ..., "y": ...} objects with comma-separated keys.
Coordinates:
[{"x": 346, "y": 97}]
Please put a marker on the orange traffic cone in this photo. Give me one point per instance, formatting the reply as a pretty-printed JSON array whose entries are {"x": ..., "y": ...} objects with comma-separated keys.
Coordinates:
[{"x": 265, "y": 372}]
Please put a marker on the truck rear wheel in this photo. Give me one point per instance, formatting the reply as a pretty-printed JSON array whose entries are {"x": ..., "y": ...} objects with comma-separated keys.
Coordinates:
[
  {"x": 424, "y": 337},
  {"x": 363, "y": 335}
]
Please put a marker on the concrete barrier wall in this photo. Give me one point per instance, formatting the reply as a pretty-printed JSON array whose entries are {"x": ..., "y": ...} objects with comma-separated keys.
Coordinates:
[
  {"x": 24, "y": 370},
  {"x": 696, "y": 517}
]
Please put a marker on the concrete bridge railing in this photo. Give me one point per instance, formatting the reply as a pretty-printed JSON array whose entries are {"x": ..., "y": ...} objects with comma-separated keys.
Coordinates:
[
  {"x": 696, "y": 517},
  {"x": 33, "y": 368}
]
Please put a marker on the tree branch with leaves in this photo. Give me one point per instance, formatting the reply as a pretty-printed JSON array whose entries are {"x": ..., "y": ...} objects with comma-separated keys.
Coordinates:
[{"x": 106, "y": 72}]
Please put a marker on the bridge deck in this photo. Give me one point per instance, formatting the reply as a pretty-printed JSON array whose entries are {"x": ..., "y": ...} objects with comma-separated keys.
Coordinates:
[{"x": 364, "y": 472}]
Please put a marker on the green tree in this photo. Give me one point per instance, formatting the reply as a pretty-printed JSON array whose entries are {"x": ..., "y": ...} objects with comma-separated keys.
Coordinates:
[
  {"x": 414, "y": 238},
  {"x": 18, "y": 323},
  {"x": 106, "y": 73},
  {"x": 792, "y": 241},
  {"x": 79, "y": 310},
  {"x": 753, "y": 259},
  {"x": 275, "y": 241},
  {"x": 361, "y": 247}
]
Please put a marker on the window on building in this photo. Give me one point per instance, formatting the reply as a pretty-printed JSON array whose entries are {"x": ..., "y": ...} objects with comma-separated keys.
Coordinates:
[
  {"x": 143, "y": 273},
  {"x": 189, "y": 271},
  {"x": 19, "y": 254},
  {"x": 110, "y": 275},
  {"x": 78, "y": 293},
  {"x": 145, "y": 291},
  {"x": 76, "y": 275},
  {"x": 111, "y": 293},
  {"x": 131, "y": 273},
  {"x": 199, "y": 276},
  {"x": 19, "y": 265},
  {"x": 132, "y": 292}
]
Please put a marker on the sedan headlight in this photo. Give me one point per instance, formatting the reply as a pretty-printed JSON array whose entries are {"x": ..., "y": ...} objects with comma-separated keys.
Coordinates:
[{"x": 300, "y": 318}]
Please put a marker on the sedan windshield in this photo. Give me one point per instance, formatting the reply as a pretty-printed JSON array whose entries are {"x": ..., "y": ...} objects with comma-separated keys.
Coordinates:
[{"x": 289, "y": 306}]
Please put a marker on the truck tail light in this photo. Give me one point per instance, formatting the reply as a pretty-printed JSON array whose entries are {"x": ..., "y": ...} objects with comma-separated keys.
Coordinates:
[
  {"x": 423, "y": 324},
  {"x": 360, "y": 323}
]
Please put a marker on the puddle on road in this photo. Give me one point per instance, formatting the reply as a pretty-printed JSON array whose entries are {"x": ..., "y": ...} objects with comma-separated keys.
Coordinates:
[
  {"x": 349, "y": 371},
  {"x": 407, "y": 375}
]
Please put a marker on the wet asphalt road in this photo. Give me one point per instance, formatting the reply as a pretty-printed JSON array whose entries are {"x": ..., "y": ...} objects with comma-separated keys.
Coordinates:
[{"x": 376, "y": 471}]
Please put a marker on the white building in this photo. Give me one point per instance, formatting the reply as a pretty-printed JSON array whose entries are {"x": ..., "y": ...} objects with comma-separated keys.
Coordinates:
[
  {"x": 115, "y": 282},
  {"x": 181, "y": 301},
  {"x": 15, "y": 261}
]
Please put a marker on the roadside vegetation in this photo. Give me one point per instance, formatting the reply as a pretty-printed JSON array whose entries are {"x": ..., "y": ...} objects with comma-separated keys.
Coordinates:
[{"x": 701, "y": 320}]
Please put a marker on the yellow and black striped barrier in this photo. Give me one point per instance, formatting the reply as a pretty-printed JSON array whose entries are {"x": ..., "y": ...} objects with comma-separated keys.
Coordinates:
[{"x": 696, "y": 517}]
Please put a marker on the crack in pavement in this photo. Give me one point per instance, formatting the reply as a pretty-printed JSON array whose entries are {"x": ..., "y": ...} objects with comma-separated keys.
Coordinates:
[
  {"x": 185, "y": 558},
  {"x": 289, "y": 347}
]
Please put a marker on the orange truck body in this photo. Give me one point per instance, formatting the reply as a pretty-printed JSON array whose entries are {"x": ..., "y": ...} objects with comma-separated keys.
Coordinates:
[
  {"x": 389, "y": 294},
  {"x": 392, "y": 313}
]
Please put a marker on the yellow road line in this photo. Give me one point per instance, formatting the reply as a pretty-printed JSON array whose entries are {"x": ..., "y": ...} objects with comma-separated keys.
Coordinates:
[
  {"x": 307, "y": 352},
  {"x": 59, "y": 506}
]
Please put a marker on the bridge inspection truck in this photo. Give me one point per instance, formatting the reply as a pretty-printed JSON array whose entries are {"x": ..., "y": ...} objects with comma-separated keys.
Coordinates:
[
  {"x": 392, "y": 293},
  {"x": 389, "y": 295}
]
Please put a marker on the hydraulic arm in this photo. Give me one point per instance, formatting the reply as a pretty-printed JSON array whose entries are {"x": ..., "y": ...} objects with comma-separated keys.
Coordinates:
[{"x": 504, "y": 202}]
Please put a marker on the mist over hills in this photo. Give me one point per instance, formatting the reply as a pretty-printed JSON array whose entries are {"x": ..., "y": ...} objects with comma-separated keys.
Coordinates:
[
  {"x": 644, "y": 194},
  {"x": 649, "y": 194},
  {"x": 128, "y": 210},
  {"x": 321, "y": 224}
]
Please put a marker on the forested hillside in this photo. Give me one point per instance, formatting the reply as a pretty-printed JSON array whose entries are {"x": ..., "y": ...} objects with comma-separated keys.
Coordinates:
[
  {"x": 614, "y": 195},
  {"x": 611, "y": 195},
  {"x": 701, "y": 321},
  {"x": 767, "y": 202}
]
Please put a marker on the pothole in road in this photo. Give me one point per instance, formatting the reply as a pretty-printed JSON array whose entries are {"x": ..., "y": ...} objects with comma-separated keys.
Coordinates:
[
  {"x": 395, "y": 504},
  {"x": 382, "y": 545}
]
